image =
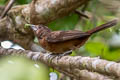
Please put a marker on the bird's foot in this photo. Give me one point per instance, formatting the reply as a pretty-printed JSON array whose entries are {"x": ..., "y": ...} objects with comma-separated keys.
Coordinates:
[
  {"x": 58, "y": 55},
  {"x": 51, "y": 57},
  {"x": 67, "y": 53},
  {"x": 64, "y": 54}
]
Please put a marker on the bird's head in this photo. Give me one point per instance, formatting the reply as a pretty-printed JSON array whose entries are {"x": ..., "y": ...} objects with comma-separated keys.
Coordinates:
[{"x": 40, "y": 30}]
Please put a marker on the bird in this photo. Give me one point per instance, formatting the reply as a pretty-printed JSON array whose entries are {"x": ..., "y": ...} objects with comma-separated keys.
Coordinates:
[{"x": 60, "y": 42}]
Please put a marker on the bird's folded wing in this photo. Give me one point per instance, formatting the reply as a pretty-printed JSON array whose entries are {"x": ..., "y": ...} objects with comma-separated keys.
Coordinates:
[{"x": 60, "y": 36}]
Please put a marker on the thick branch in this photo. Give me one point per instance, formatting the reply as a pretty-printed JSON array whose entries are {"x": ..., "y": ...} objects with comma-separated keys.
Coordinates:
[
  {"x": 8, "y": 31},
  {"x": 72, "y": 66},
  {"x": 12, "y": 26},
  {"x": 45, "y": 11}
]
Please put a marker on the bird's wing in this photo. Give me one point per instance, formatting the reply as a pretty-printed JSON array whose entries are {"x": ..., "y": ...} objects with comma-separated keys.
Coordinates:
[{"x": 59, "y": 36}]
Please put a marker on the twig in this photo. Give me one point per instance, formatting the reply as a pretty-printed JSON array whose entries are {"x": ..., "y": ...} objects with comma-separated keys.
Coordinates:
[
  {"x": 7, "y": 8},
  {"x": 82, "y": 14}
]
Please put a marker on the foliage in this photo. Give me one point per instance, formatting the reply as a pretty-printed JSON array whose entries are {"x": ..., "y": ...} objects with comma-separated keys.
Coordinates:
[
  {"x": 65, "y": 23},
  {"x": 14, "y": 68}
]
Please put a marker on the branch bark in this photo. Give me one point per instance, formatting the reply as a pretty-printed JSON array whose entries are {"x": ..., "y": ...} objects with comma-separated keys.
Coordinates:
[
  {"x": 45, "y": 11},
  {"x": 7, "y": 8},
  {"x": 75, "y": 67}
]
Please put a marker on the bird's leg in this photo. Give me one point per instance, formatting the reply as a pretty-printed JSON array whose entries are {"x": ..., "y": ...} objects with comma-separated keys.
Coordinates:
[
  {"x": 51, "y": 56},
  {"x": 64, "y": 54},
  {"x": 60, "y": 54},
  {"x": 67, "y": 53}
]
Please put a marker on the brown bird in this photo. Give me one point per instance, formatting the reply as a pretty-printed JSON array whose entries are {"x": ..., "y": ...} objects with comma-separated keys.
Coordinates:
[{"x": 59, "y": 42}]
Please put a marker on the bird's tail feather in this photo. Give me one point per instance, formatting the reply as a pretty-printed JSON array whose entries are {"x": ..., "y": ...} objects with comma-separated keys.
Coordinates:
[{"x": 103, "y": 26}]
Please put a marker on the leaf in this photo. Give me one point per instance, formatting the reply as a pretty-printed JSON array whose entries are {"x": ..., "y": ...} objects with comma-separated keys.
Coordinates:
[
  {"x": 113, "y": 55},
  {"x": 65, "y": 23},
  {"x": 96, "y": 48},
  {"x": 2, "y": 2},
  {"x": 23, "y": 1}
]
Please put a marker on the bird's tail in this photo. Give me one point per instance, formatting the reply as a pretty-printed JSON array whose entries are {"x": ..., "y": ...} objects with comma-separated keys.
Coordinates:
[{"x": 102, "y": 27}]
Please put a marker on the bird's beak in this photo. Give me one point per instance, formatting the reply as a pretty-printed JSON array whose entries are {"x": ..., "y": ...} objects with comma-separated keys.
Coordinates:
[{"x": 34, "y": 28}]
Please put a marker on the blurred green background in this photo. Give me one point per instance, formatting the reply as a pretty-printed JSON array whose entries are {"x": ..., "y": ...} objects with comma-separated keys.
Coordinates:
[
  {"x": 105, "y": 44},
  {"x": 19, "y": 68}
]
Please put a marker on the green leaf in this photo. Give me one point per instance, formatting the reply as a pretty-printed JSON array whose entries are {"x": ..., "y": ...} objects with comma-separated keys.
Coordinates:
[
  {"x": 96, "y": 48},
  {"x": 65, "y": 23},
  {"x": 28, "y": 1},
  {"x": 23, "y": 1},
  {"x": 113, "y": 55},
  {"x": 73, "y": 53},
  {"x": 2, "y": 2}
]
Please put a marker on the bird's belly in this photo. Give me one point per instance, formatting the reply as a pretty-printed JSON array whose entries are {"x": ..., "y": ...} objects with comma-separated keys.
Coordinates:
[{"x": 61, "y": 47}]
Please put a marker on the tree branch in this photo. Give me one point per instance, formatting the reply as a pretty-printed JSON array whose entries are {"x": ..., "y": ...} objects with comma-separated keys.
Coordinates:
[
  {"x": 45, "y": 11},
  {"x": 7, "y": 8},
  {"x": 77, "y": 67}
]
